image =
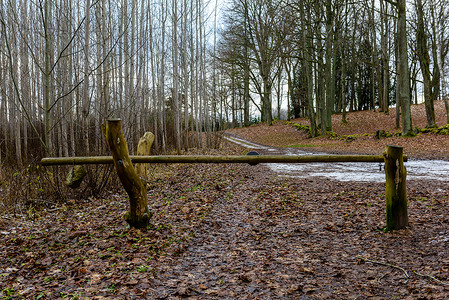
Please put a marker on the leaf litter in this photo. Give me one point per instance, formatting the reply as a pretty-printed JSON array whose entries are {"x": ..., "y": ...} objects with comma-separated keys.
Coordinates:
[{"x": 234, "y": 232}]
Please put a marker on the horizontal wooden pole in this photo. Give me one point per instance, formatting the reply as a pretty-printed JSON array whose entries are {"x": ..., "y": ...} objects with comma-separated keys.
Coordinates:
[{"x": 217, "y": 159}]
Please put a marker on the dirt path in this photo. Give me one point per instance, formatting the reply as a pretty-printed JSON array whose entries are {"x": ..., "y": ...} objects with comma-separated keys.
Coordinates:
[
  {"x": 217, "y": 260},
  {"x": 278, "y": 238},
  {"x": 236, "y": 252},
  {"x": 234, "y": 232}
]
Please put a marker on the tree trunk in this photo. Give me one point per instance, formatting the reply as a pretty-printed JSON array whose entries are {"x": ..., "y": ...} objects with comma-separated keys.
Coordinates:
[
  {"x": 161, "y": 89},
  {"x": 266, "y": 100},
  {"x": 246, "y": 70},
  {"x": 403, "y": 88},
  {"x": 279, "y": 92},
  {"x": 306, "y": 37},
  {"x": 385, "y": 65},
  {"x": 175, "y": 92},
  {"x": 86, "y": 100},
  {"x": 246, "y": 94},
  {"x": 435, "y": 86},
  {"x": 154, "y": 95},
  {"x": 424, "y": 61},
  {"x": 446, "y": 105},
  {"x": 186, "y": 76},
  {"x": 321, "y": 85},
  {"x": 47, "y": 77},
  {"x": 329, "y": 74},
  {"x": 343, "y": 86},
  {"x": 443, "y": 50},
  {"x": 398, "y": 99}
]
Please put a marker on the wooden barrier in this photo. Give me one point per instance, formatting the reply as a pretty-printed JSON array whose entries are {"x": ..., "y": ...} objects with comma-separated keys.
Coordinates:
[
  {"x": 255, "y": 159},
  {"x": 138, "y": 215}
]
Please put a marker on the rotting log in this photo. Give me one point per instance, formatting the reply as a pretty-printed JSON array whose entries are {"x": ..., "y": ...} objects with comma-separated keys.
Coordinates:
[
  {"x": 395, "y": 189},
  {"x": 138, "y": 215},
  {"x": 217, "y": 159}
]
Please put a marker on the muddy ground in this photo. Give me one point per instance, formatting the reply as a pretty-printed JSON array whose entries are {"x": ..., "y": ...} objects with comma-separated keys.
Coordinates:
[{"x": 232, "y": 232}]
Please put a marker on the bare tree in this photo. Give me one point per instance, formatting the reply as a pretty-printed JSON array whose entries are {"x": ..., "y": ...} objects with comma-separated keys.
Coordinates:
[
  {"x": 431, "y": 80},
  {"x": 384, "y": 102},
  {"x": 403, "y": 77},
  {"x": 86, "y": 96}
]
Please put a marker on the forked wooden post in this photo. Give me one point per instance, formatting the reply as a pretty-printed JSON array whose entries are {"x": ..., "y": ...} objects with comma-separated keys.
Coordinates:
[
  {"x": 395, "y": 189},
  {"x": 138, "y": 215}
]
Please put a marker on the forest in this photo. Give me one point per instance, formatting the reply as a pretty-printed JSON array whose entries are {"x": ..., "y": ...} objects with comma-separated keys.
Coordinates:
[
  {"x": 182, "y": 68},
  {"x": 222, "y": 79}
]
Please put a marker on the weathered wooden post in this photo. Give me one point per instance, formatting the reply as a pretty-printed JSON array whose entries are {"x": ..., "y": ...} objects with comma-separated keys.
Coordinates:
[
  {"x": 143, "y": 149},
  {"x": 395, "y": 188},
  {"x": 138, "y": 215}
]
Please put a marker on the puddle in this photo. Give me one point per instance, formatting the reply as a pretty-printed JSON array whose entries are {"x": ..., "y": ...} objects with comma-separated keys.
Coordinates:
[
  {"x": 363, "y": 172},
  {"x": 338, "y": 171}
]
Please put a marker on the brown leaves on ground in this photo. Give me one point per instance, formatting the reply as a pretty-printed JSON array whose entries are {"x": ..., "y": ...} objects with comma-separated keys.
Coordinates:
[
  {"x": 357, "y": 135},
  {"x": 85, "y": 249},
  {"x": 233, "y": 231}
]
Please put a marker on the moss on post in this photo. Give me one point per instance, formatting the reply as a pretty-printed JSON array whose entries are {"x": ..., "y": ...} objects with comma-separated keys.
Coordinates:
[
  {"x": 138, "y": 215},
  {"x": 395, "y": 189},
  {"x": 75, "y": 176}
]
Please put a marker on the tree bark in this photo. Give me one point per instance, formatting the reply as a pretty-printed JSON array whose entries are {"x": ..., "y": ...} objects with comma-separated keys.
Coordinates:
[
  {"x": 246, "y": 71},
  {"x": 306, "y": 36},
  {"x": 321, "y": 85},
  {"x": 329, "y": 74},
  {"x": 385, "y": 65},
  {"x": 175, "y": 92},
  {"x": 161, "y": 88},
  {"x": 403, "y": 88},
  {"x": 185, "y": 68},
  {"x": 47, "y": 77},
  {"x": 86, "y": 100},
  {"x": 424, "y": 61}
]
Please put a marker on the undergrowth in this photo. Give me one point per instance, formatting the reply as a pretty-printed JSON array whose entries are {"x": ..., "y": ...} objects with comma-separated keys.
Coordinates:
[
  {"x": 300, "y": 126},
  {"x": 330, "y": 134},
  {"x": 25, "y": 190}
]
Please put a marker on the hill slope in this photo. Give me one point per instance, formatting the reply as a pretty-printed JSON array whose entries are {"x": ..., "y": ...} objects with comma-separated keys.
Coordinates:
[{"x": 357, "y": 135}]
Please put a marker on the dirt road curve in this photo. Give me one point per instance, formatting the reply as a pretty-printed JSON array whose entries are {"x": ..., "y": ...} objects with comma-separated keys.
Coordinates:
[{"x": 417, "y": 169}]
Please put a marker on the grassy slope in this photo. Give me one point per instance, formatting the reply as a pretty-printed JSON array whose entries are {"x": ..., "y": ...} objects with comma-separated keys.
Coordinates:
[{"x": 361, "y": 126}]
